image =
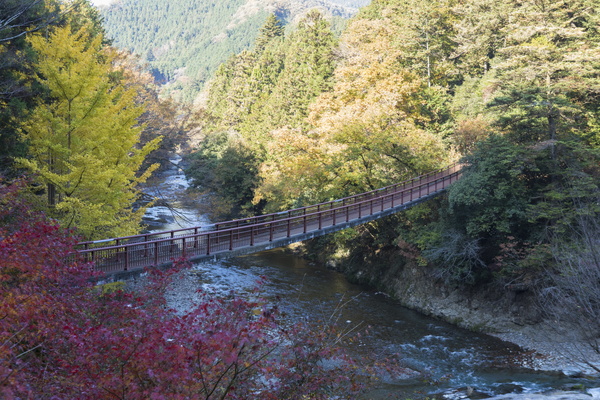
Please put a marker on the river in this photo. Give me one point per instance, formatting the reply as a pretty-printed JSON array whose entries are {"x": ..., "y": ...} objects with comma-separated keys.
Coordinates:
[{"x": 456, "y": 361}]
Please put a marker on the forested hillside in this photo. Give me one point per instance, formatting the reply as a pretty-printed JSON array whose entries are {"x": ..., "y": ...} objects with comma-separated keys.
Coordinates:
[
  {"x": 78, "y": 121},
  {"x": 510, "y": 88},
  {"x": 184, "y": 41},
  {"x": 78, "y": 118}
]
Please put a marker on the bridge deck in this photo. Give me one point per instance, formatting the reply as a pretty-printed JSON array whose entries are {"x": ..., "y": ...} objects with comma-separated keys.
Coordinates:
[{"x": 244, "y": 236}]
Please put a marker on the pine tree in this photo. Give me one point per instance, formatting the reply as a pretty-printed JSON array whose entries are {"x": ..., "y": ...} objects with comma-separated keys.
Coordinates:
[
  {"x": 83, "y": 144},
  {"x": 545, "y": 76},
  {"x": 271, "y": 29}
]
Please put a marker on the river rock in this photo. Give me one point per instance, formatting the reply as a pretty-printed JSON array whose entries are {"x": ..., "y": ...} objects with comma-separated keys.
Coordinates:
[
  {"x": 595, "y": 393},
  {"x": 555, "y": 395}
]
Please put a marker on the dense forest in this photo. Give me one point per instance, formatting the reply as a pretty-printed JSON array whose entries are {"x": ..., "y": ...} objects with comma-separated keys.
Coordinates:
[
  {"x": 509, "y": 89},
  {"x": 184, "y": 42},
  {"x": 81, "y": 125}
]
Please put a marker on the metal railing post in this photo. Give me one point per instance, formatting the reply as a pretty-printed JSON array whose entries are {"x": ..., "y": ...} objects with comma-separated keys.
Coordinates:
[
  {"x": 126, "y": 258},
  {"x": 155, "y": 253}
]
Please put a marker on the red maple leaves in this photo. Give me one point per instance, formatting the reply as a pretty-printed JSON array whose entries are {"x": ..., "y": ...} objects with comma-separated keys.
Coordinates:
[{"x": 61, "y": 337}]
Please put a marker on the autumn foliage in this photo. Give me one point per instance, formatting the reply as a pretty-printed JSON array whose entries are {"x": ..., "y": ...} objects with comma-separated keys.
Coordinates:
[{"x": 61, "y": 337}]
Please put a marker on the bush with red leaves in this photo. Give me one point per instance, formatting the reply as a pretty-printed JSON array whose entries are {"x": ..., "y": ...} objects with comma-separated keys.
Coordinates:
[{"x": 61, "y": 337}]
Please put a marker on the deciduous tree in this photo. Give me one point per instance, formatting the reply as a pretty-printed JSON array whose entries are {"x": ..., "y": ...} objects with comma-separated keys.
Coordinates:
[
  {"x": 61, "y": 336},
  {"x": 83, "y": 144},
  {"x": 368, "y": 131}
]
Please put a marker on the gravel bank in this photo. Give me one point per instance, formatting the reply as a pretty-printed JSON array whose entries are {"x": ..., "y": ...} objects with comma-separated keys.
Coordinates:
[{"x": 556, "y": 349}]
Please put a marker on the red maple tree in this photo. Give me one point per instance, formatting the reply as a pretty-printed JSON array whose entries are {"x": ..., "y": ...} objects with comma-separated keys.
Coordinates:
[{"x": 62, "y": 337}]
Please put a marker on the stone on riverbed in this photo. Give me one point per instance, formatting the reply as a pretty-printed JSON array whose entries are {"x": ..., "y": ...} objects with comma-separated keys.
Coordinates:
[{"x": 591, "y": 394}]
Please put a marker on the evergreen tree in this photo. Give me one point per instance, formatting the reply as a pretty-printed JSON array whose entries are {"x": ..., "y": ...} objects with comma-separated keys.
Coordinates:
[
  {"x": 479, "y": 34},
  {"x": 83, "y": 144},
  {"x": 271, "y": 29},
  {"x": 17, "y": 89},
  {"x": 544, "y": 75},
  {"x": 307, "y": 72}
]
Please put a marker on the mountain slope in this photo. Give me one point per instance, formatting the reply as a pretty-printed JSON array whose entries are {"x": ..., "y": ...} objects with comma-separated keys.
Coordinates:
[{"x": 184, "y": 41}]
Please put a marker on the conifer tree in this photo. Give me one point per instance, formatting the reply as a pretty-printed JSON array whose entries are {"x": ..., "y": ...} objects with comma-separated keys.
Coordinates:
[
  {"x": 308, "y": 71},
  {"x": 545, "y": 76},
  {"x": 17, "y": 18},
  {"x": 271, "y": 29},
  {"x": 83, "y": 144}
]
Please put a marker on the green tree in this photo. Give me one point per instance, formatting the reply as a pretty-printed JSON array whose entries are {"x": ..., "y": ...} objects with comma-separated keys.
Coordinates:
[
  {"x": 226, "y": 170},
  {"x": 17, "y": 88},
  {"x": 545, "y": 76},
  {"x": 308, "y": 71},
  {"x": 80, "y": 14},
  {"x": 83, "y": 144},
  {"x": 366, "y": 132},
  {"x": 510, "y": 205},
  {"x": 479, "y": 34},
  {"x": 489, "y": 198},
  {"x": 271, "y": 29},
  {"x": 255, "y": 94}
]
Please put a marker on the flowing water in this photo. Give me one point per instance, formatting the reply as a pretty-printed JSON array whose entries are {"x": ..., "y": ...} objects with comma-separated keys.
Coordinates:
[{"x": 454, "y": 360}]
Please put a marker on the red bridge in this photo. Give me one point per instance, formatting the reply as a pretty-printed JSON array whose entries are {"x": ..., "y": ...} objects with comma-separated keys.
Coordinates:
[{"x": 124, "y": 255}]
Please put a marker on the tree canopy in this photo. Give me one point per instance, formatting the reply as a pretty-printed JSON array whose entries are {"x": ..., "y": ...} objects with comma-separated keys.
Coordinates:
[
  {"x": 409, "y": 87},
  {"x": 185, "y": 41},
  {"x": 83, "y": 143}
]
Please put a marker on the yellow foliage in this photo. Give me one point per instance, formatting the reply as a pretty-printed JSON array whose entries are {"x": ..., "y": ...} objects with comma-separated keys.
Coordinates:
[
  {"x": 84, "y": 144},
  {"x": 366, "y": 133}
]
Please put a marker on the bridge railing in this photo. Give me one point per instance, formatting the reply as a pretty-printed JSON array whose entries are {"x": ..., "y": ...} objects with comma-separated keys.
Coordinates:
[
  {"x": 183, "y": 232},
  {"x": 338, "y": 202},
  {"x": 127, "y": 254}
]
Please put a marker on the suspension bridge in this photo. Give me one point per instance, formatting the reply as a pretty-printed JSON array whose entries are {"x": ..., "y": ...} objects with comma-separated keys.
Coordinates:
[{"x": 126, "y": 255}]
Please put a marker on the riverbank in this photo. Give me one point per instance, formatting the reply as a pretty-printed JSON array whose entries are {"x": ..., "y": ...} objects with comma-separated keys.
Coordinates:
[
  {"x": 511, "y": 314},
  {"x": 556, "y": 349},
  {"x": 448, "y": 304}
]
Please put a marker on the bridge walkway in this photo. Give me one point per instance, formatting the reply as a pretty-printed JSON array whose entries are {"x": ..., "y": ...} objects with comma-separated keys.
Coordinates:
[{"x": 121, "y": 256}]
